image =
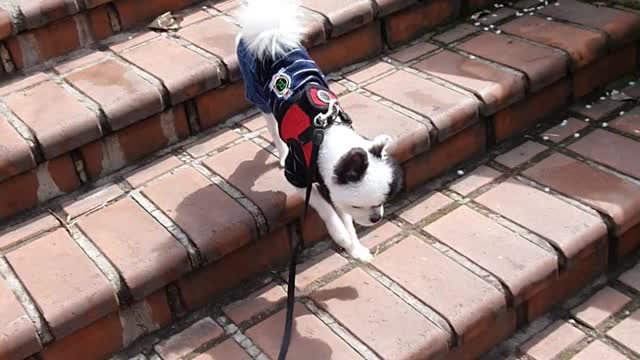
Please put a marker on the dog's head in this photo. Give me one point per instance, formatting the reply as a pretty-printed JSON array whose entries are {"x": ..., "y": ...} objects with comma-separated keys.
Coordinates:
[{"x": 364, "y": 179}]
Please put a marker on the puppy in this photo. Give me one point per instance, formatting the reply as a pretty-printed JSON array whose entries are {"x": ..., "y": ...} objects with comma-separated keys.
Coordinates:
[{"x": 354, "y": 176}]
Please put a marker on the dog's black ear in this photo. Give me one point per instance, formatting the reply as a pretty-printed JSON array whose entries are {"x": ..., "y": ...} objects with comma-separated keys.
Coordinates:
[{"x": 352, "y": 166}]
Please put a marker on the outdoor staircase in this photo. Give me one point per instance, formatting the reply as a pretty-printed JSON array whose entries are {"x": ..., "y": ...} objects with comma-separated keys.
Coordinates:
[{"x": 137, "y": 185}]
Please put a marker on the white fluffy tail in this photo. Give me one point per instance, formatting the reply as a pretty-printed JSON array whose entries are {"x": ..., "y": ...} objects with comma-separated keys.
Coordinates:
[{"x": 270, "y": 27}]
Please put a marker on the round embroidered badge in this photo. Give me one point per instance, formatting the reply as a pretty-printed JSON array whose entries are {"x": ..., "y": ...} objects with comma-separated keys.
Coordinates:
[{"x": 281, "y": 85}]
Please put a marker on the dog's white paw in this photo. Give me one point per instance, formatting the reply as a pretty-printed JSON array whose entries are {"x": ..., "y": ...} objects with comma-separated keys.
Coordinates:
[
  {"x": 361, "y": 253},
  {"x": 282, "y": 161}
]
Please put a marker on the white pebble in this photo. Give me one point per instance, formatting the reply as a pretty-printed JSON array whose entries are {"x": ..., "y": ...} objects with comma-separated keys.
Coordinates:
[
  {"x": 587, "y": 120},
  {"x": 604, "y": 125},
  {"x": 549, "y": 19},
  {"x": 556, "y": 4},
  {"x": 540, "y": 7},
  {"x": 472, "y": 57},
  {"x": 636, "y": 131},
  {"x": 545, "y": 138},
  {"x": 460, "y": 172},
  {"x": 632, "y": 83},
  {"x": 477, "y": 24},
  {"x": 498, "y": 32},
  {"x": 588, "y": 106},
  {"x": 485, "y": 28},
  {"x": 547, "y": 189},
  {"x": 492, "y": 26},
  {"x": 603, "y": 98},
  {"x": 518, "y": 13},
  {"x": 621, "y": 113},
  {"x": 494, "y": 15},
  {"x": 576, "y": 135},
  {"x": 564, "y": 122}
]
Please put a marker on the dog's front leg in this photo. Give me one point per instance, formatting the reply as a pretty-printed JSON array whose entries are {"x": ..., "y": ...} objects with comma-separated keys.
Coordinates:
[
  {"x": 359, "y": 251},
  {"x": 332, "y": 221},
  {"x": 283, "y": 149}
]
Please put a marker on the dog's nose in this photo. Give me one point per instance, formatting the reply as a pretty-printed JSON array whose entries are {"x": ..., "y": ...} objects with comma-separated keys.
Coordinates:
[{"x": 375, "y": 218}]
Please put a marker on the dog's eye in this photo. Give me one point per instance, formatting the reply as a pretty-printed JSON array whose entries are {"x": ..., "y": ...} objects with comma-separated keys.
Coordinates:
[{"x": 356, "y": 207}]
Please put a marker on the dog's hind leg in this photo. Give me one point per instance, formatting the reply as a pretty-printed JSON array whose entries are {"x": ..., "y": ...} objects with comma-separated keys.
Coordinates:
[{"x": 283, "y": 149}]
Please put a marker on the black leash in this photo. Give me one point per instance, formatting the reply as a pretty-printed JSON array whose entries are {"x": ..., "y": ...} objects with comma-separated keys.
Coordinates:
[{"x": 317, "y": 138}]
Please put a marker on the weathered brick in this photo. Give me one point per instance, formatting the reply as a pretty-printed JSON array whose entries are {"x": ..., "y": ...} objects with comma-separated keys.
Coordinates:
[
  {"x": 256, "y": 173},
  {"x": 60, "y": 122},
  {"x": 90, "y": 201},
  {"x": 134, "y": 142},
  {"x": 583, "y": 46},
  {"x": 521, "y": 265},
  {"x": 6, "y": 24},
  {"x": 564, "y": 130},
  {"x": 146, "y": 255},
  {"x": 15, "y": 154},
  {"x": 18, "y": 338},
  {"x": 597, "y": 110},
  {"x": 72, "y": 293},
  {"x": 343, "y": 17},
  {"x": 310, "y": 338},
  {"x": 552, "y": 341},
  {"x": 599, "y": 350},
  {"x": 542, "y": 65},
  {"x": 369, "y": 71},
  {"x": 629, "y": 122},
  {"x": 626, "y": 332},
  {"x": 632, "y": 278},
  {"x": 186, "y": 197},
  {"x": 212, "y": 142},
  {"x": 611, "y": 149},
  {"x": 386, "y": 7},
  {"x": 478, "y": 178},
  {"x": 40, "y": 12},
  {"x": 450, "y": 111},
  {"x": 412, "y": 52},
  {"x": 497, "y": 88},
  {"x": 217, "y": 105},
  {"x": 227, "y": 350},
  {"x": 570, "y": 229},
  {"x": 146, "y": 173},
  {"x": 460, "y": 31},
  {"x": 184, "y": 72},
  {"x": 132, "y": 12},
  {"x": 319, "y": 266},
  {"x": 256, "y": 303},
  {"x": 520, "y": 154},
  {"x": 124, "y": 96},
  {"x": 425, "y": 207},
  {"x": 197, "y": 288},
  {"x": 444, "y": 156},
  {"x": 362, "y": 43},
  {"x": 605, "y": 192},
  {"x": 380, "y": 319},
  {"x": 470, "y": 305},
  {"x": 526, "y": 113},
  {"x": 604, "y": 70},
  {"x": 412, "y": 22},
  {"x": 601, "y": 306},
  {"x": 217, "y": 36},
  {"x": 31, "y": 227},
  {"x": 189, "y": 339}
]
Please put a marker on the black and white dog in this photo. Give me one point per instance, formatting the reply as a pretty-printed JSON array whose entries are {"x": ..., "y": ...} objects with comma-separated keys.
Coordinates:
[{"x": 354, "y": 177}]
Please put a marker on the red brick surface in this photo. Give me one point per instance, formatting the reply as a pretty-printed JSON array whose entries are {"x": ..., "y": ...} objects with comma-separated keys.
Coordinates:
[
  {"x": 475, "y": 180},
  {"x": 601, "y": 306},
  {"x": 228, "y": 350},
  {"x": 82, "y": 294},
  {"x": 626, "y": 332},
  {"x": 413, "y": 51},
  {"x": 562, "y": 131},
  {"x": 552, "y": 341},
  {"x": 60, "y": 122},
  {"x": 520, "y": 155},
  {"x": 610, "y": 149},
  {"x": 15, "y": 155},
  {"x": 342, "y": 17},
  {"x": 189, "y": 339},
  {"x": 146, "y": 255},
  {"x": 414, "y": 21},
  {"x": 18, "y": 338},
  {"x": 260, "y": 301}
]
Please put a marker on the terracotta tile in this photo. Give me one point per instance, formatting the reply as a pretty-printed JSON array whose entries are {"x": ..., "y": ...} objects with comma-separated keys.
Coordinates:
[
  {"x": 426, "y": 206},
  {"x": 227, "y": 350},
  {"x": 611, "y": 149},
  {"x": 582, "y": 45},
  {"x": 513, "y": 259},
  {"x": 366, "y": 73},
  {"x": 310, "y": 338},
  {"x": 91, "y": 200},
  {"x": 344, "y": 17},
  {"x": 72, "y": 293},
  {"x": 520, "y": 154},
  {"x": 543, "y": 65},
  {"x": 605, "y": 192},
  {"x": 601, "y": 306},
  {"x": 478, "y": 178},
  {"x": 60, "y": 122},
  {"x": 33, "y": 226},
  {"x": 569, "y": 228},
  {"x": 148, "y": 172},
  {"x": 629, "y": 122},
  {"x": 316, "y": 268},
  {"x": 564, "y": 130},
  {"x": 464, "y": 300},
  {"x": 379, "y": 235},
  {"x": 496, "y": 87},
  {"x": 186, "y": 197},
  {"x": 183, "y": 343},
  {"x": 15, "y": 154},
  {"x": 458, "y": 32},
  {"x": 413, "y": 52},
  {"x": 449, "y": 111},
  {"x": 146, "y": 254},
  {"x": 212, "y": 142},
  {"x": 381, "y": 320},
  {"x": 597, "y": 110},
  {"x": 621, "y": 26},
  {"x": 632, "y": 278},
  {"x": 184, "y": 73},
  {"x": 599, "y": 350},
  {"x": 552, "y": 341},
  {"x": 124, "y": 96},
  {"x": 256, "y": 303},
  {"x": 18, "y": 337},
  {"x": 626, "y": 332}
]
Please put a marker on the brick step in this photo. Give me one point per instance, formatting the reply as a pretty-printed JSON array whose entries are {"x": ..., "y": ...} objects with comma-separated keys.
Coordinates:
[
  {"x": 143, "y": 244},
  {"x": 84, "y": 117},
  {"x": 461, "y": 263},
  {"x": 35, "y": 32},
  {"x": 78, "y": 118}
]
